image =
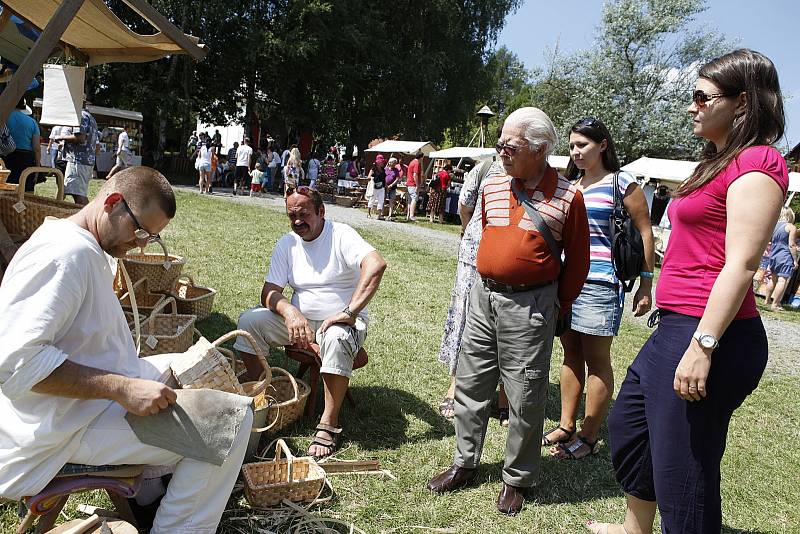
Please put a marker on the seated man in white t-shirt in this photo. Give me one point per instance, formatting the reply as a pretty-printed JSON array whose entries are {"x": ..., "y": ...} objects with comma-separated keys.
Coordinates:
[{"x": 334, "y": 274}]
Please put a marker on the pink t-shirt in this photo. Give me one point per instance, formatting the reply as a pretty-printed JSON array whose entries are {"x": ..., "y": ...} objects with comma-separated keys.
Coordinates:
[{"x": 696, "y": 251}]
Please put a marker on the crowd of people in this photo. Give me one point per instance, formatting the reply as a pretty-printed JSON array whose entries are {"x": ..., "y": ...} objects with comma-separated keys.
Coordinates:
[{"x": 535, "y": 264}]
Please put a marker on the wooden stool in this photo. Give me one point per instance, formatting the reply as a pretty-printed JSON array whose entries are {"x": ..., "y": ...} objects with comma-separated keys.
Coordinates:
[
  {"x": 120, "y": 482},
  {"x": 310, "y": 361}
]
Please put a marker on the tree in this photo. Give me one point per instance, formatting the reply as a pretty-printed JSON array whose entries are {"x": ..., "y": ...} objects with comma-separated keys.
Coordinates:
[{"x": 639, "y": 75}]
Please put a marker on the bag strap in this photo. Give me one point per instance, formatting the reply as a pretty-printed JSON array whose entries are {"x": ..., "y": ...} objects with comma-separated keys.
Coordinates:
[
  {"x": 541, "y": 226},
  {"x": 483, "y": 172}
]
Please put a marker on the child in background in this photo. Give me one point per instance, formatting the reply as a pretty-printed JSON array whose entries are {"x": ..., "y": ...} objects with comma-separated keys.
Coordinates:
[{"x": 255, "y": 180}]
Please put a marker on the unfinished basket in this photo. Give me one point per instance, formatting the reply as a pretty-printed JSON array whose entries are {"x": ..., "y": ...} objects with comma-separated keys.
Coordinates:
[
  {"x": 296, "y": 479},
  {"x": 22, "y": 213},
  {"x": 146, "y": 302},
  {"x": 161, "y": 270},
  {"x": 166, "y": 332},
  {"x": 193, "y": 299},
  {"x": 289, "y": 396},
  {"x": 204, "y": 366}
]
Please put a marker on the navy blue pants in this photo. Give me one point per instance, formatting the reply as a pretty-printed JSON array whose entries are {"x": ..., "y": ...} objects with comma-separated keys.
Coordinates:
[{"x": 668, "y": 450}]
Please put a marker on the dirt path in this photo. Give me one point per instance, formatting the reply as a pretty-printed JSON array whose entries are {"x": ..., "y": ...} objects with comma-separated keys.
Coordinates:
[{"x": 784, "y": 337}]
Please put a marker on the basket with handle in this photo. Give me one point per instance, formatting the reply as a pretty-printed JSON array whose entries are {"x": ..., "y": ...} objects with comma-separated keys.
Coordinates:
[
  {"x": 166, "y": 332},
  {"x": 204, "y": 366},
  {"x": 145, "y": 300},
  {"x": 288, "y": 396},
  {"x": 161, "y": 270},
  {"x": 22, "y": 213},
  {"x": 296, "y": 479},
  {"x": 191, "y": 298}
]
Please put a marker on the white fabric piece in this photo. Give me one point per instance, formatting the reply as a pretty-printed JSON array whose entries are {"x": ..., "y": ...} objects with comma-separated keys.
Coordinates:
[
  {"x": 323, "y": 272},
  {"x": 63, "y": 95}
]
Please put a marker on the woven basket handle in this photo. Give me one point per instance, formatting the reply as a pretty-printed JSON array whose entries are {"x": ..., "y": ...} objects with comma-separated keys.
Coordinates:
[
  {"x": 296, "y": 390},
  {"x": 161, "y": 244},
  {"x": 133, "y": 288},
  {"x": 259, "y": 354},
  {"x": 160, "y": 306},
  {"x": 23, "y": 178},
  {"x": 188, "y": 278},
  {"x": 280, "y": 446}
]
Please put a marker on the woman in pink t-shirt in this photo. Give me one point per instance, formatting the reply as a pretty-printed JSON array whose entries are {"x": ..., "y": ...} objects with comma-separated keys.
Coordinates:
[{"x": 669, "y": 425}]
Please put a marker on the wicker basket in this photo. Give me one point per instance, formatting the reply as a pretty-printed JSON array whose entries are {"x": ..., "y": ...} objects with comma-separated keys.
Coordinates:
[
  {"x": 161, "y": 270},
  {"x": 166, "y": 332},
  {"x": 146, "y": 302},
  {"x": 290, "y": 396},
  {"x": 296, "y": 479},
  {"x": 193, "y": 299},
  {"x": 204, "y": 366},
  {"x": 31, "y": 210},
  {"x": 346, "y": 201}
]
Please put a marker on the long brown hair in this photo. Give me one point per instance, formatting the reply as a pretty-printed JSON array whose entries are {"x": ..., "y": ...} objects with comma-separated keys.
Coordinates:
[{"x": 763, "y": 121}]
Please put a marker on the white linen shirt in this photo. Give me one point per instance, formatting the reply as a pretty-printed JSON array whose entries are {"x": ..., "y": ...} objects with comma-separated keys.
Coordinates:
[
  {"x": 323, "y": 272},
  {"x": 56, "y": 303}
]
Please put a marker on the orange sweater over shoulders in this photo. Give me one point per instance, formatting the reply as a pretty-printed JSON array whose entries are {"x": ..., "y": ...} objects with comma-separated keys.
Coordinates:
[{"x": 513, "y": 252}]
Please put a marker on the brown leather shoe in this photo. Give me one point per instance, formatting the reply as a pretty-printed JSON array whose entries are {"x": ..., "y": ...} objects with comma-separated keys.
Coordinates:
[
  {"x": 452, "y": 479},
  {"x": 510, "y": 500}
]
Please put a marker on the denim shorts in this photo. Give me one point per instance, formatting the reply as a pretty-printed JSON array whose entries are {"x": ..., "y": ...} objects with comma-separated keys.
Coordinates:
[{"x": 598, "y": 310}]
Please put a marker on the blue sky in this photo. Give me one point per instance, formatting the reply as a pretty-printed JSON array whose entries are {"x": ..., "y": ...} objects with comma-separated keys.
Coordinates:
[{"x": 768, "y": 26}]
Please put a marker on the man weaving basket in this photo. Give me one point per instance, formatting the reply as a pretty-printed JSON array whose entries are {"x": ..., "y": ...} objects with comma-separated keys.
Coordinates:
[{"x": 69, "y": 370}]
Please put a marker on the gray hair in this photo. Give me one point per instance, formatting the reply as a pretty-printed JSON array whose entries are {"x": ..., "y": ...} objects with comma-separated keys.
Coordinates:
[{"x": 537, "y": 128}]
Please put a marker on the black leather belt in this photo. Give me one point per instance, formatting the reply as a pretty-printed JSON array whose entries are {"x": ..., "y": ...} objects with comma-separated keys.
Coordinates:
[{"x": 493, "y": 285}]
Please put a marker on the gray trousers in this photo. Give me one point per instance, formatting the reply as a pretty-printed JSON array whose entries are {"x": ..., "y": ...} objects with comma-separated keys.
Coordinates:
[{"x": 508, "y": 336}]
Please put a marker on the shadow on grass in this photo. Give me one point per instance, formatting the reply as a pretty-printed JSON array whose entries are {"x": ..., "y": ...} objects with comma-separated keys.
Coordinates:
[
  {"x": 729, "y": 530},
  {"x": 216, "y": 325}
]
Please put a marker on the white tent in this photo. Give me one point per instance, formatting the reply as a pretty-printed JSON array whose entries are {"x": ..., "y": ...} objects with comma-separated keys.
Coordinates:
[
  {"x": 403, "y": 147},
  {"x": 668, "y": 170},
  {"x": 458, "y": 152},
  {"x": 558, "y": 162}
]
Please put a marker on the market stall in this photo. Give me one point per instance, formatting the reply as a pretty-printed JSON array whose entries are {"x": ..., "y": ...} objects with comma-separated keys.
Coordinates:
[
  {"x": 463, "y": 159},
  {"x": 110, "y": 123}
]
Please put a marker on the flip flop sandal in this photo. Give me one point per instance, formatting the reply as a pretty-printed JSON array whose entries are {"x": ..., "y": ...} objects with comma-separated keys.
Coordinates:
[
  {"x": 548, "y": 443},
  {"x": 331, "y": 443},
  {"x": 580, "y": 442},
  {"x": 447, "y": 407},
  {"x": 601, "y": 528},
  {"x": 503, "y": 417}
]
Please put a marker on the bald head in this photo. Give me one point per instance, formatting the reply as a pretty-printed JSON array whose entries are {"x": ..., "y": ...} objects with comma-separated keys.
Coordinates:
[{"x": 142, "y": 188}]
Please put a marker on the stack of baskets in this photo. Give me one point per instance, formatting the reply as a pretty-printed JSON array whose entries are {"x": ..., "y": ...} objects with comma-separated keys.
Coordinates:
[{"x": 166, "y": 332}]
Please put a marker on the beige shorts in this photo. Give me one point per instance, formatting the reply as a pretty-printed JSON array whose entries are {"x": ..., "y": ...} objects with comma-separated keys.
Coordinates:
[{"x": 338, "y": 346}]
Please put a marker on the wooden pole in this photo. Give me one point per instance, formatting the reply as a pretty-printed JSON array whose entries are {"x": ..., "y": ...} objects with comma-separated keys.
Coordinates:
[
  {"x": 47, "y": 41},
  {"x": 160, "y": 22}
]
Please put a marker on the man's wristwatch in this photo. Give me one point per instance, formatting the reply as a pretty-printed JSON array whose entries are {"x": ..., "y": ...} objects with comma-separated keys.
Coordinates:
[
  {"x": 350, "y": 313},
  {"x": 707, "y": 341}
]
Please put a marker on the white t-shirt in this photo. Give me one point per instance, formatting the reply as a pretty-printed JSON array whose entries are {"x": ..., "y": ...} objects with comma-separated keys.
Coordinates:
[
  {"x": 205, "y": 155},
  {"x": 243, "y": 154},
  {"x": 124, "y": 142},
  {"x": 313, "y": 168},
  {"x": 323, "y": 273},
  {"x": 57, "y": 303}
]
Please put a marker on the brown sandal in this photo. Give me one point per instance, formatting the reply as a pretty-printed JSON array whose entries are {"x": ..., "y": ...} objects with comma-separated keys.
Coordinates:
[{"x": 331, "y": 442}]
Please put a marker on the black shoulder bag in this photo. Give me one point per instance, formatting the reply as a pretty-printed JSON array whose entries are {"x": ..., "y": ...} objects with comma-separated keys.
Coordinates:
[
  {"x": 627, "y": 247},
  {"x": 562, "y": 324}
]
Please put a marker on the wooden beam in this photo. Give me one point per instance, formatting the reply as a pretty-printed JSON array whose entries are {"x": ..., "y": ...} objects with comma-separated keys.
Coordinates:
[
  {"x": 47, "y": 41},
  {"x": 160, "y": 22},
  {"x": 5, "y": 16}
]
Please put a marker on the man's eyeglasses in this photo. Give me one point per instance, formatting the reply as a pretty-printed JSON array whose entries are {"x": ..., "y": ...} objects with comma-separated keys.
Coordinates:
[
  {"x": 140, "y": 233},
  {"x": 300, "y": 190},
  {"x": 510, "y": 149},
  {"x": 701, "y": 98}
]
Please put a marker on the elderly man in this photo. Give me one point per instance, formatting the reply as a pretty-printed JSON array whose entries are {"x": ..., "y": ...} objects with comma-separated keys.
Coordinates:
[
  {"x": 513, "y": 309},
  {"x": 69, "y": 371},
  {"x": 334, "y": 274}
]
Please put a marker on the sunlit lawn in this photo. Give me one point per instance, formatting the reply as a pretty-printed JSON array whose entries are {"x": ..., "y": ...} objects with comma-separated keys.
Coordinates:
[{"x": 396, "y": 421}]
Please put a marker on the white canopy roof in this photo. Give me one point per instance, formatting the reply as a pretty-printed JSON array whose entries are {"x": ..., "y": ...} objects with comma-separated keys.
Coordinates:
[
  {"x": 558, "y": 162},
  {"x": 471, "y": 152},
  {"x": 403, "y": 147},
  {"x": 794, "y": 181},
  {"x": 106, "y": 112},
  {"x": 669, "y": 170}
]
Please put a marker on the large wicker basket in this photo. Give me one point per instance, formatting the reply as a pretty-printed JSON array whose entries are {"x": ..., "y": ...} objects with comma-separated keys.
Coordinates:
[
  {"x": 146, "y": 302},
  {"x": 193, "y": 299},
  {"x": 204, "y": 366},
  {"x": 22, "y": 213},
  {"x": 288, "y": 396},
  {"x": 296, "y": 479},
  {"x": 161, "y": 270},
  {"x": 166, "y": 332}
]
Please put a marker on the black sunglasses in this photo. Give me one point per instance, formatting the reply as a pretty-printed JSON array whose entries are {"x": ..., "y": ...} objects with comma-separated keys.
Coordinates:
[
  {"x": 300, "y": 190},
  {"x": 140, "y": 233},
  {"x": 588, "y": 121},
  {"x": 701, "y": 98},
  {"x": 510, "y": 149}
]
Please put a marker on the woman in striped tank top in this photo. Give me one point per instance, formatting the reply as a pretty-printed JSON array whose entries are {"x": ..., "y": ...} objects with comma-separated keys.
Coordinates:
[{"x": 597, "y": 312}]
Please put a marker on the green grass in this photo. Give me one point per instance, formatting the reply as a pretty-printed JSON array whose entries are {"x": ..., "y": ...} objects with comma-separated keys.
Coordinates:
[{"x": 396, "y": 421}]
